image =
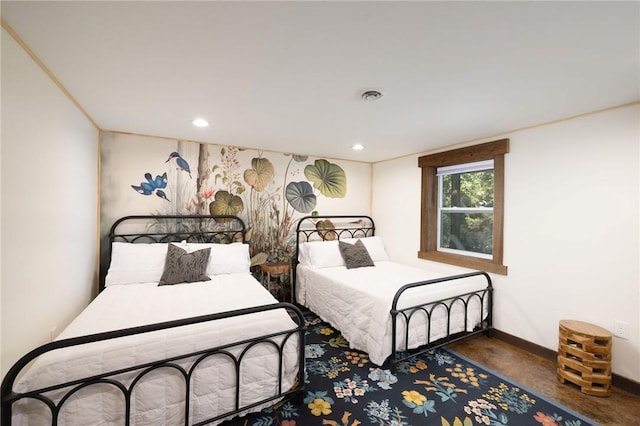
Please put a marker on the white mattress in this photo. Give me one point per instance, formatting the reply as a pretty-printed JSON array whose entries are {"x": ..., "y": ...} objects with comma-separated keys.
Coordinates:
[
  {"x": 159, "y": 398},
  {"x": 358, "y": 301}
]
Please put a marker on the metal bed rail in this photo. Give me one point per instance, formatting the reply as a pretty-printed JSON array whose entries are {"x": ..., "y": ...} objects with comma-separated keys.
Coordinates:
[
  {"x": 127, "y": 385},
  {"x": 464, "y": 299}
]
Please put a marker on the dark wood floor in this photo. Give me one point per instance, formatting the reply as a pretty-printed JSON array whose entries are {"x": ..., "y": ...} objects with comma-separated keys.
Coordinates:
[{"x": 539, "y": 374}]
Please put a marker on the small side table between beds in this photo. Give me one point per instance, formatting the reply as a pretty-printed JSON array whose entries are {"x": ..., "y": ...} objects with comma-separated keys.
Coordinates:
[{"x": 282, "y": 270}]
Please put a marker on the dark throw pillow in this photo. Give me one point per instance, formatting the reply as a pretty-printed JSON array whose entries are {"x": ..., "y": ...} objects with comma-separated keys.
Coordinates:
[
  {"x": 355, "y": 255},
  {"x": 181, "y": 266}
]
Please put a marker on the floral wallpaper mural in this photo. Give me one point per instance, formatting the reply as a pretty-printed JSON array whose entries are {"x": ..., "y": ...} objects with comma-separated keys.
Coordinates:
[{"x": 268, "y": 190}]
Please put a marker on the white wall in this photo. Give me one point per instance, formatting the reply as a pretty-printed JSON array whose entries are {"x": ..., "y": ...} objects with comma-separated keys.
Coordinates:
[
  {"x": 49, "y": 206},
  {"x": 571, "y": 231}
]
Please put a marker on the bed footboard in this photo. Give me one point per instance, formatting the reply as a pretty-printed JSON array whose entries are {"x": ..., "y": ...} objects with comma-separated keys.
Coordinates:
[
  {"x": 484, "y": 297},
  {"x": 185, "y": 364}
]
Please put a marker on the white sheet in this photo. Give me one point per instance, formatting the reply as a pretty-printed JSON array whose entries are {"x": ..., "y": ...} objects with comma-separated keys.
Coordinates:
[
  {"x": 160, "y": 400},
  {"x": 358, "y": 301}
]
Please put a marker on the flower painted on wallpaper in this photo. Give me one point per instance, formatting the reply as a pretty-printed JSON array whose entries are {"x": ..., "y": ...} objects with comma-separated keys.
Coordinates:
[
  {"x": 191, "y": 205},
  {"x": 226, "y": 203},
  {"x": 208, "y": 193},
  {"x": 226, "y": 171},
  {"x": 260, "y": 173},
  {"x": 300, "y": 196},
  {"x": 326, "y": 331},
  {"x": 181, "y": 163},
  {"x": 328, "y": 178},
  {"x": 545, "y": 419},
  {"x": 152, "y": 184}
]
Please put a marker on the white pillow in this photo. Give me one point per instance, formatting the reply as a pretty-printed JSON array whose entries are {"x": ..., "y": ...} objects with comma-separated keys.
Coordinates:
[
  {"x": 303, "y": 254},
  {"x": 224, "y": 258},
  {"x": 374, "y": 245},
  {"x": 133, "y": 263},
  {"x": 326, "y": 254},
  {"x": 323, "y": 254}
]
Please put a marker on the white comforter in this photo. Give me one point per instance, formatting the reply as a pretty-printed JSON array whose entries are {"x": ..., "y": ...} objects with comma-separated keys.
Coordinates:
[
  {"x": 159, "y": 398},
  {"x": 358, "y": 301}
]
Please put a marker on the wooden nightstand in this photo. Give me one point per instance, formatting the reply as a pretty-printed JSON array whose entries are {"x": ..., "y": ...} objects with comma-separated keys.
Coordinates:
[
  {"x": 584, "y": 357},
  {"x": 281, "y": 272}
]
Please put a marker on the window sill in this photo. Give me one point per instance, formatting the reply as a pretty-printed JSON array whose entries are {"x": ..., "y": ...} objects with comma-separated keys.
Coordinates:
[{"x": 464, "y": 261}]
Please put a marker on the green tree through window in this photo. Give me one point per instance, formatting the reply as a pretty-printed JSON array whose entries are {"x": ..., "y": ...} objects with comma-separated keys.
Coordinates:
[{"x": 466, "y": 210}]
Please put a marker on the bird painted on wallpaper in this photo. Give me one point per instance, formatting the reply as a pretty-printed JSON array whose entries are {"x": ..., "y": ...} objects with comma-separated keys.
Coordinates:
[
  {"x": 180, "y": 162},
  {"x": 160, "y": 193},
  {"x": 152, "y": 184}
]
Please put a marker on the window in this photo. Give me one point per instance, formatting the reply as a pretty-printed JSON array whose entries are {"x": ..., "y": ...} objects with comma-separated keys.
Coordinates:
[
  {"x": 465, "y": 209},
  {"x": 463, "y": 206}
]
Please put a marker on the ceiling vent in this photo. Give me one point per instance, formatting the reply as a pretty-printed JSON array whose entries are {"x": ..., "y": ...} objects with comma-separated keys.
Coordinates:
[{"x": 371, "y": 95}]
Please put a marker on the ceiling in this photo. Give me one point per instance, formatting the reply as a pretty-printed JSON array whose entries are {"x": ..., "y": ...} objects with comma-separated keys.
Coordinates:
[{"x": 288, "y": 76}]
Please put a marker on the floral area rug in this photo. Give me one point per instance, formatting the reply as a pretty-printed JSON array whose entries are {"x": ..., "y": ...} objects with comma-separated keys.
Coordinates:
[{"x": 441, "y": 388}]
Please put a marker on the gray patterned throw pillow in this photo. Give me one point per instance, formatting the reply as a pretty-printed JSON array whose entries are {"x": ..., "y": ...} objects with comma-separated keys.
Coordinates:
[
  {"x": 183, "y": 267},
  {"x": 355, "y": 255}
]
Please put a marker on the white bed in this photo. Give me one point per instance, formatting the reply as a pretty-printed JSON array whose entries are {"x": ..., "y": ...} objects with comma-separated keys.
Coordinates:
[
  {"x": 158, "y": 397},
  {"x": 359, "y": 301}
]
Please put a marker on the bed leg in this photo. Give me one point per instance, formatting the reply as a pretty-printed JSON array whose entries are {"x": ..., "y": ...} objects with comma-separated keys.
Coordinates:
[{"x": 297, "y": 397}]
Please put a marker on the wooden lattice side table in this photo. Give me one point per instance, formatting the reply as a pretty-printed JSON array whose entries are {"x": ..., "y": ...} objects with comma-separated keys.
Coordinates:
[{"x": 584, "y": 357}]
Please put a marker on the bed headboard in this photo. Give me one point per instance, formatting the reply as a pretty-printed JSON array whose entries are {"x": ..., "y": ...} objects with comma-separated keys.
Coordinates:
[
  {"x": 327, "y": 228},
  {"x": 222, "y": 229}
]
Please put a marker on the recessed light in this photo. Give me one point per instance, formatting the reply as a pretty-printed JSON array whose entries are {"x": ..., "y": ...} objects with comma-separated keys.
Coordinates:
[
  {"x": 357, "y": 147},
  {"x": 200, "y": 122}
]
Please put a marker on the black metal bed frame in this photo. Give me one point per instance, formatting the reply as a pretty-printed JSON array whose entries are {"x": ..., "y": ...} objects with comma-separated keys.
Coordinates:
[
  {"x": 224, "y": 229},
  {"x": 358, "y": 226}
]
